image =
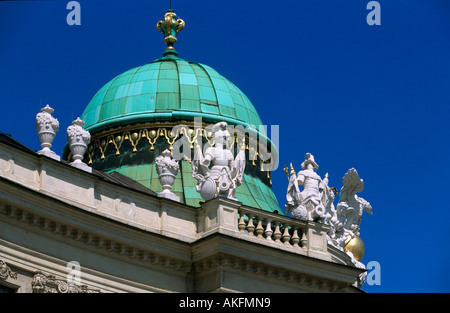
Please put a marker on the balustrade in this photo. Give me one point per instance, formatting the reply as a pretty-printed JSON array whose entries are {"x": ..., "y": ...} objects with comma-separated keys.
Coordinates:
[{"x": 272, "y": 227}]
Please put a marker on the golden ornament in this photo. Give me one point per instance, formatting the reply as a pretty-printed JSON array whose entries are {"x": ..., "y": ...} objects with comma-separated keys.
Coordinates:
[{"x": 356, "y": 246}]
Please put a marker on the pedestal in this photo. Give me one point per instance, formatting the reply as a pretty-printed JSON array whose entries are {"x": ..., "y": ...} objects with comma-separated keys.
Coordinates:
[
  {"x": 219, "y": 213},
  {"x": 50, "y": 154},
  {"x": 169, "y": 195}
]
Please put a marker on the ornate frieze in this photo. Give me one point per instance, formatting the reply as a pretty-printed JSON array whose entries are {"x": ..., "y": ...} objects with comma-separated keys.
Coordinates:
[
  {"x": 6, "y": 272},
  {"x": 172, "y": 136},
  {"x": 50, "y": 284}
]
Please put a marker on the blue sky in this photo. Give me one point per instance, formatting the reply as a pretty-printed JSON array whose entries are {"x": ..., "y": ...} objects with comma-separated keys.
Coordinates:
[{"x": 375, "y": 98}]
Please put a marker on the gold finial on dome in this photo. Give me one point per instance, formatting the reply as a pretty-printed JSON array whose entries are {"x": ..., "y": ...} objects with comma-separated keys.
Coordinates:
[{"x": 170, "y": 28}]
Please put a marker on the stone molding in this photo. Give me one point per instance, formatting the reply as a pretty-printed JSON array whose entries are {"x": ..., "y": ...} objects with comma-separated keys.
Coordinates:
[
  {"x": 31, "y": 261},
  {"x": 90, "y": 239},
  {"x": 267, "y": 272}
]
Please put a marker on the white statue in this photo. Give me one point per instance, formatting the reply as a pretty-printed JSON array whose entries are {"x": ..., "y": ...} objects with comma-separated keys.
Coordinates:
[
  {"x": 293, "y": 198},
  {"x": 328, "y": 196},
  {"x": 351, "y": 206},
  {"x": 349, "y": 210},
  {"x": 167, "y": 169},
  {"x": 78, "y": 139},
  {"x": 315, "y": 202},
  {"x": 307, "y": 204},
  {"x": 47, "y": 126},
  {"x": 345, "y": 224},
  {"x": 226, "y": 172}
]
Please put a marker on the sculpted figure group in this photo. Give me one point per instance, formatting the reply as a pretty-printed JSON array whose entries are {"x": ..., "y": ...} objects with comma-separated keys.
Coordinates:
[
  {"x": 308, "y": 197},
  {"x": 226, "y": 172},
  {"x": 315, "y": 202}
]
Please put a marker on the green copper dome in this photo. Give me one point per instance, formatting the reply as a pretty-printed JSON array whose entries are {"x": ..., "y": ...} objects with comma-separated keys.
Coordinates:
[
  {"x": 169, "y": 88},
  {"x": 131, "y": 120}
]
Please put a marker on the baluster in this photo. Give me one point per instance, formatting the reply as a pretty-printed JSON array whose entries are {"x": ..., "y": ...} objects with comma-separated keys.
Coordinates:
[
  {"x": 268, "y": 231},
  {"x": 286, "y": 235},
  {"x": 277, "y": 233},
  {"x": 259, "y": 229},
  {"x": 250, "y": 226},
  {"x": 295, "y": 238},
  {"x": 304, "y": 241},
  {"x": 241, "y": 223}
]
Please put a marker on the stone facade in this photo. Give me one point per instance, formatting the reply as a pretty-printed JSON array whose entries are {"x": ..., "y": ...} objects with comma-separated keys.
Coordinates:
[{"x": 130, "y": 240}]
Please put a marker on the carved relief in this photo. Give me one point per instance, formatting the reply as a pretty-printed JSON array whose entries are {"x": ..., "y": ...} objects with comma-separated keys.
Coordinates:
[
  {"x": 50, "y": 284},
  {"x": 5, "y": 271}
]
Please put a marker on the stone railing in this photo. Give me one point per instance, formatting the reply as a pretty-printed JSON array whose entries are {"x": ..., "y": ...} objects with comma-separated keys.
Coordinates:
[
  {"x": 273, "y": 227},
  {"x": 262, "y": 227}
]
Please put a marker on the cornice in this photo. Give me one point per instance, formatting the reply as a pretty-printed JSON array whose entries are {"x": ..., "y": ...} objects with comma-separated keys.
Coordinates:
[
  {"x": 266, "y": 272},
  {"x": 267, "y": 258},
  {"x": 87, "y": 239}
]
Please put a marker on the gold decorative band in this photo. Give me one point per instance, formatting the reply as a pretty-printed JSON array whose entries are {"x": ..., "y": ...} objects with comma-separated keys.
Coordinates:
[{"x": 170, "y": 133}]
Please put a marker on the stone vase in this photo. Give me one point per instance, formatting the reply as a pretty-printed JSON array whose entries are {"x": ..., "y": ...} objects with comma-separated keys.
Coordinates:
[
  {"x": 78, "y": 149},
  {"x": 46, "y": 137},
  {"x": 47, "y": 126},
  {"x": 167, "y": 179},
  {"x": 78, "y": 140},
  {"x": 167, "y": 170}
]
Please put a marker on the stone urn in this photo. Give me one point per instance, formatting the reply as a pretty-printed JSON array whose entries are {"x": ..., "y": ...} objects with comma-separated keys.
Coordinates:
[
  {"x": 78, "y": 140},
  {"x": 167, "y": 169},
  {"x": 47, "y": 126}
]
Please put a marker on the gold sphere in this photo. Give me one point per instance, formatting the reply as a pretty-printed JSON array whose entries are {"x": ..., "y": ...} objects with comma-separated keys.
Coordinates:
[{"x": 356, "y": 246}]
